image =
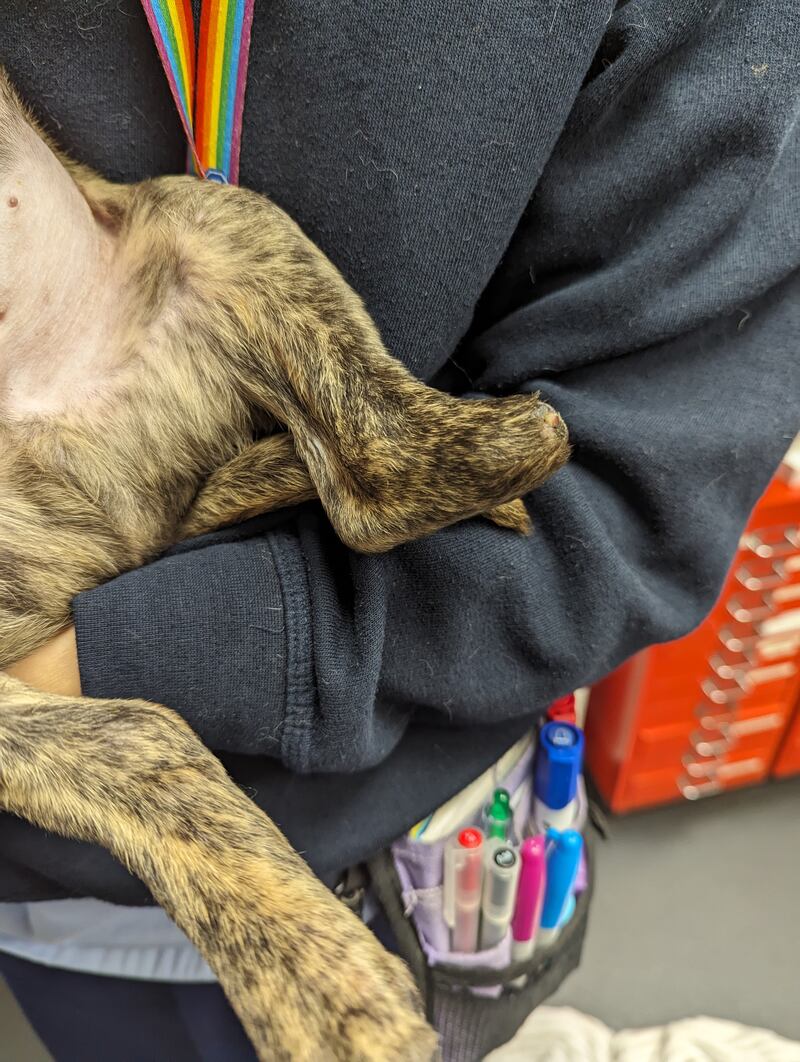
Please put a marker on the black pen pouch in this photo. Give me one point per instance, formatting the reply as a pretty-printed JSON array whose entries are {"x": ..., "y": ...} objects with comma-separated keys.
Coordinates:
[
  {"x": 471, "y": 1025},
  {"x": 471, "y": 999}
]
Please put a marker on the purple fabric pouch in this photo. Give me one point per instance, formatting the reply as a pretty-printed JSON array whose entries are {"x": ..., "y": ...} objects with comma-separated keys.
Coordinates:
[
  {"x": 421, "y": 869},
  {"x": 471, "y": 1011},
  {"x": 473, "y": 1001}
]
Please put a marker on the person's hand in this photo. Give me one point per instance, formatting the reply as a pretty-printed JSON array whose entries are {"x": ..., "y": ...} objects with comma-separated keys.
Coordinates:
[{"x": 53, "y": 667}]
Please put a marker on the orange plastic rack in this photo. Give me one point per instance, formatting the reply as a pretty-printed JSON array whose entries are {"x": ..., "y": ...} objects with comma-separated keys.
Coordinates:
[{"x": 716, "y": 709}]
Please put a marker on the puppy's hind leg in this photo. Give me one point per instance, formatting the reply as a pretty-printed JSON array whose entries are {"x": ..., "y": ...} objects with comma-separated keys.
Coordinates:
[
  {"x": 512, "y": 515},
  {"x": 423, "y": 460},
  {"x": 269, "y": 475},
  {"x": 392, "y": 459},
  {"x": 265, "y": 476}
]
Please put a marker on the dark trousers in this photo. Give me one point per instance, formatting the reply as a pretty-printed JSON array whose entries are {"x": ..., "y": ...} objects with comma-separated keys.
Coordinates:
[{"x": 84, "y": 1018}]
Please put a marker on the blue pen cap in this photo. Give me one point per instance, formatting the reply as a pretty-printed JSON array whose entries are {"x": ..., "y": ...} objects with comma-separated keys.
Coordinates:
[
  {"x": 569, "y": 910},
  {"x": 559, "y": 759},
  {"x": 563, "y": 859}
]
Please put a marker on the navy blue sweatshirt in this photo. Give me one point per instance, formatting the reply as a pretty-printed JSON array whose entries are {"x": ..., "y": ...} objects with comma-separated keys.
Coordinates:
[{"x": 601, "y": 205}]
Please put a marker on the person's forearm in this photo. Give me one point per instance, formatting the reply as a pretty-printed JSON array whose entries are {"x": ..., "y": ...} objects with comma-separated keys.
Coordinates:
[
  {"x": 53, "y": 667},
  {"x": 202, "y": 631}
]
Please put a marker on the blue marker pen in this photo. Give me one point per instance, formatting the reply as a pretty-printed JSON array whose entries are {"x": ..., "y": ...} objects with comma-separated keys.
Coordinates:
[
  {"x": 563, "y": 857},
  {"x": 557, "y": 768}
]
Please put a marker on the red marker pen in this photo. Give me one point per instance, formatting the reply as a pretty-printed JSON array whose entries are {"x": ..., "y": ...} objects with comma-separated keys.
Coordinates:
[
  {"x": 562, "y": 710},
  {"x": 462, "y": 887}
]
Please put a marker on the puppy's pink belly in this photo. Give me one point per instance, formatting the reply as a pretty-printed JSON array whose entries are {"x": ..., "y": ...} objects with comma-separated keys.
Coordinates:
[
  {"x": 44, "y": 370},
  {"x": 59, "y": 349},
  {"x": 60, "y": 296},
  {"x": 25, "y": 397}
]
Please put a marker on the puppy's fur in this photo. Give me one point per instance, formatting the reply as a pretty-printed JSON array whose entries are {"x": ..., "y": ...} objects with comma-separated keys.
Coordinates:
[{"x": 176, "y": 355}]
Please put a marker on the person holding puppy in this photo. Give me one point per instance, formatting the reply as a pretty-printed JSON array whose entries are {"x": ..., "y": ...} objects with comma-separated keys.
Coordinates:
[{"x": 577, "y": 201}]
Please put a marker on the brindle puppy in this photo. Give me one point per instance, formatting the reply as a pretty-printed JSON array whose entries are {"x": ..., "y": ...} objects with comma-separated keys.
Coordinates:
[{"x": 151, "y": 336}]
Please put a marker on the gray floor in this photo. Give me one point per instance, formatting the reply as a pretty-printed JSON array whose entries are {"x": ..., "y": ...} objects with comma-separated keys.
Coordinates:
[
  {"x": 696, "y": 912},
  {"x": 17, "y": 1042}
]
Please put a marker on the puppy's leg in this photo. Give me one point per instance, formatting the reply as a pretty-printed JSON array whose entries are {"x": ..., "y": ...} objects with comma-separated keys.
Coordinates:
[
  {"x": 269, "y": 475},
  {"x": 425, "y": 460},
  {"x": 392, "y": 459},
  {"x": 512, "y": 515},
  {"x": 307, "y": 979}
]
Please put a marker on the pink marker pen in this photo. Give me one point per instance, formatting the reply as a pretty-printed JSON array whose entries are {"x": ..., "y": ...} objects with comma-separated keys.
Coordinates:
[{"x": 530, "y": 899}]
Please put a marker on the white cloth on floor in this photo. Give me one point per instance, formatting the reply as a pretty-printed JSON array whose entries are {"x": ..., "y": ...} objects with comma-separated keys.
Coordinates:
[{"x": 561, "y": 1034}]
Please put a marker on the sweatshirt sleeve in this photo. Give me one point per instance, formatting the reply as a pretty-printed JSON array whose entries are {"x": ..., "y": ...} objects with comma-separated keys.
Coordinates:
[
  {"x": 651, "y": 294},
  {"x": 287, "y": 644}
]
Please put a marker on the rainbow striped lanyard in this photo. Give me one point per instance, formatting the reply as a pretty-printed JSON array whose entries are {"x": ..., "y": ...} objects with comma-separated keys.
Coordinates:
[{"x": 208, "y": 83}]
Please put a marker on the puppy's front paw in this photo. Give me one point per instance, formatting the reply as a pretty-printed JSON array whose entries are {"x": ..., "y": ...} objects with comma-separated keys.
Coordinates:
[
  {"x": 360, "y": 1002},
  {"x": 380, "y": 1017}
]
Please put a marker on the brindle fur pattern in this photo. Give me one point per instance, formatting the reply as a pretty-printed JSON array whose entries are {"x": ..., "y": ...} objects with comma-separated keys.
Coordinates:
[
  {"x": 231, "y": 325},
  {"x": 307, "y": 978}
]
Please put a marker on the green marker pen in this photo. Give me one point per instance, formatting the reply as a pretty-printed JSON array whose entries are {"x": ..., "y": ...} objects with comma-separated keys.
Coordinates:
[{"x": 498, "y": 816}]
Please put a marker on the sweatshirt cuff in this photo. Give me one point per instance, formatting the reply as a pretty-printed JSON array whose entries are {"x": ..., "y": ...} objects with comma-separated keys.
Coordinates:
[{"x": 219, "y": 633}]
